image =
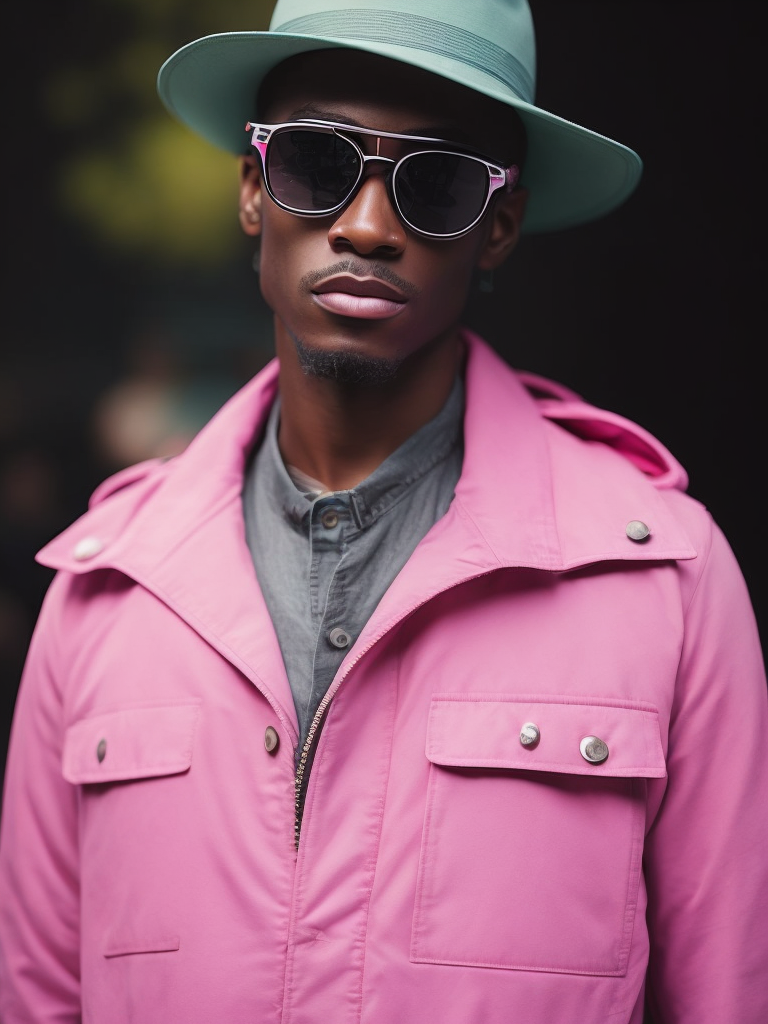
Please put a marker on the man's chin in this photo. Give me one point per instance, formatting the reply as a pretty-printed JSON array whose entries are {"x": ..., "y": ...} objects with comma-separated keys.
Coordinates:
[{"x": 344, "y": 366}]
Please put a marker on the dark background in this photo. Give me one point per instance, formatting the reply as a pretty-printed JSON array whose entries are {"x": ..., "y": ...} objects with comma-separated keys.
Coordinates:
[{"x": 655, "y": 311}]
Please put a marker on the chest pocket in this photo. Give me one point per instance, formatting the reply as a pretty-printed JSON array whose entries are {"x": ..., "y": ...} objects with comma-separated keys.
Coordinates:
[
  {"x": 133, "y": 765},
  {"x": 531, "y": 851}
]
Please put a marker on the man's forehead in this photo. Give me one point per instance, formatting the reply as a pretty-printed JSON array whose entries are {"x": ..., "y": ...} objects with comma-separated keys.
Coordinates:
[{"x": 371, "y": 91}]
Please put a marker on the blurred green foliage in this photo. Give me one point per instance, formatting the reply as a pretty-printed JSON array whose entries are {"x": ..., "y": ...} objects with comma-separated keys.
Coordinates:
[{"x": 141, "y": 183}]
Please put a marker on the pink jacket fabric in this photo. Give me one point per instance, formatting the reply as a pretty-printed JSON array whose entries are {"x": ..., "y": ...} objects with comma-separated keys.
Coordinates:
[{"x": 447, "y": 873}]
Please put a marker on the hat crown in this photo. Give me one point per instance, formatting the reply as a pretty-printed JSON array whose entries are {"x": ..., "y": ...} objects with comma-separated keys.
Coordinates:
[
  {"x": 493, "y": 38},
  {"x": 572, "y": 174}
]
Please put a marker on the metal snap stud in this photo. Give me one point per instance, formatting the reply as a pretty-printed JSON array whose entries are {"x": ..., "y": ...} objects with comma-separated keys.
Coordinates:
[
  {"x": 638, "y": 531},
  {"x": 87, "y": 547},
  {"x": 530, "y": 734},
  {"x": 593, "y": 749}
]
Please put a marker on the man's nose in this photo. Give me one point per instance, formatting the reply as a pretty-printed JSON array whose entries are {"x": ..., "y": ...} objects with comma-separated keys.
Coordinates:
[{"x": 369, "y": 224}]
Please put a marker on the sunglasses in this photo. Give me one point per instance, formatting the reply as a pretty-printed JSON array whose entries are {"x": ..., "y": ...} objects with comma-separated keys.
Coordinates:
[{"x": 313, "y": 168}]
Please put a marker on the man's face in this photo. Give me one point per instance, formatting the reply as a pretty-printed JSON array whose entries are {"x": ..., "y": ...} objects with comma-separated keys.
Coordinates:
[{"x": 358, "y": 286}]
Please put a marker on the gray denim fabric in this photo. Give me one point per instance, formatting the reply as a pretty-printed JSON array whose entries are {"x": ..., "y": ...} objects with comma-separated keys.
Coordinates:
[{"x": 318, "y": 576}]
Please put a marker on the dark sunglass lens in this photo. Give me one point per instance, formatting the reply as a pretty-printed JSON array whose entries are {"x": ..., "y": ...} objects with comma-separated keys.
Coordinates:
[
  {"x": 310, "y": 170},
  {"x": 441, "y": 193}
]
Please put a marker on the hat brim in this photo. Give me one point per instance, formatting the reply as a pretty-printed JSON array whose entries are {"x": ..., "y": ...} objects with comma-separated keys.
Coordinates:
[{"x": 573, "y": 175}]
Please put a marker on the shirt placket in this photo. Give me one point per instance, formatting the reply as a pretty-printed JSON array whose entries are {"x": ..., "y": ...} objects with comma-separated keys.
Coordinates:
[{"x": 330, "y": 528}]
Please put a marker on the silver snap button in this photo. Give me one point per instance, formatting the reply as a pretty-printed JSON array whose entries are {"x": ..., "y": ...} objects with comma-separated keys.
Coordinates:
[
  {"x": 88, "y": 547},
  {"x": 330, "y": 518},
  {"x": 339, "y": 637},
  {"x": 593, "y": 749},
  {"x": 101, "y": 750},
  {"x": 271, "y": 739},
  {"x": 529, "y": 734},
  {"x": 637, "y": 530}
]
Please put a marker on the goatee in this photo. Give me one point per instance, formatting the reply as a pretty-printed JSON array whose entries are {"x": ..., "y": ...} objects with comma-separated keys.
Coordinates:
[{"x": 345, "y": 367}]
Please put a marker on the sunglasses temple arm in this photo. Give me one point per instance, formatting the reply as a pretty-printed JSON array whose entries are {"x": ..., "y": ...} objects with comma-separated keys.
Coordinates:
[
  {"x": 506, "y": 179},
  {"x": 511, "y": 177}
]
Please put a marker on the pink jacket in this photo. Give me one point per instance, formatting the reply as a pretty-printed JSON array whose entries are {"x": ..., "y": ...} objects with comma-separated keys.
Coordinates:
[{"x": 449, "y": 871}]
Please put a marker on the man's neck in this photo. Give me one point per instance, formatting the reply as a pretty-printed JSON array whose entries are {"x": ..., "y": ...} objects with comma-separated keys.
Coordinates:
[{"x": 338, "y": 433}]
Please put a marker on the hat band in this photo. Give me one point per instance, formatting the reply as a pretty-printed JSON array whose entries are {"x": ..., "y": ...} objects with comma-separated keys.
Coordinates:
[{"x": 417, "y": 32}]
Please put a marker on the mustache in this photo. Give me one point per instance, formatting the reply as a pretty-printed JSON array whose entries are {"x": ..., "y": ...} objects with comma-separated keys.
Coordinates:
[{"x": 359, "y": 268}]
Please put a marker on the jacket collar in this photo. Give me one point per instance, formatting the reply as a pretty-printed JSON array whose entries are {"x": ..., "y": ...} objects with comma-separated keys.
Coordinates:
[
  {"x": 549, "y": 503},
  {"x": 532, "y": 494}
]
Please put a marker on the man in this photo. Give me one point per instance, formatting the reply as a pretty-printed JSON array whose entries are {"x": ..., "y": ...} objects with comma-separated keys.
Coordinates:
[{"x": 415, "y": 689}]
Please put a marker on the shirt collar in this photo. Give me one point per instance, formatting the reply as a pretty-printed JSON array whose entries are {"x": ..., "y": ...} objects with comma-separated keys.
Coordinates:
[{"x": 380, "y": 491}]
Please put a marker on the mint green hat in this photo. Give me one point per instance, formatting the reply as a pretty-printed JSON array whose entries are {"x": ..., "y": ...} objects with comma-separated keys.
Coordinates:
[{"x": 574, "y": 175}]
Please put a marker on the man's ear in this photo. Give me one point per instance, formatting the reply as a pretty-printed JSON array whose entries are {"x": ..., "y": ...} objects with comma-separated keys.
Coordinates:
[
  {"x": 503, "y": 233},
  {"x": 250, "y": 195}
]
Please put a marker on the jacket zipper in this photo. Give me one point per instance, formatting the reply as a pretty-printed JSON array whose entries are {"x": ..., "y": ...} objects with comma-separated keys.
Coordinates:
[{"x": 302, "y": 775}]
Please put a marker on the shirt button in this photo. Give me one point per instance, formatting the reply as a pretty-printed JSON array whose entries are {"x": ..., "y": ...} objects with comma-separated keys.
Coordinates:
[
  {"x": 101, "y": 750},
  {"x": 330, "y": 518},
  {"x": 637, "y": 530},
  {"x": 593, "y": 749},
  {"x": 339, "y": 637},
  {"x": 88, "y": 547},
  {"x": 529, "y": 734},
  {"x": 271, "y": 739}
]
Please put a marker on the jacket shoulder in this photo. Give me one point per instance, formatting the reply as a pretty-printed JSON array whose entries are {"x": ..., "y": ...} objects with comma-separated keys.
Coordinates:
[
  {"x": 128, "y": 477},
  {"x": 590, "y": 423},
  {"x": 111, "y": 506}
]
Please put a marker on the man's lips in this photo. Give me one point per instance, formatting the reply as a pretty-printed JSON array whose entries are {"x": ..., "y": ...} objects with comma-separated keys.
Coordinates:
[{"x": 367, "y": 298}]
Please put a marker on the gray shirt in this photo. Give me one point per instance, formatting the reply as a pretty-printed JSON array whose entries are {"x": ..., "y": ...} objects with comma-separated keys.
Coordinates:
[{"x": 324, "y": 559}]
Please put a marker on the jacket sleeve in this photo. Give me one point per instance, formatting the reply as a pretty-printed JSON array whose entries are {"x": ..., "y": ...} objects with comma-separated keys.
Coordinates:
[
  {"x": 39, "y": 888},
  {"x": 707, "y": 850}
]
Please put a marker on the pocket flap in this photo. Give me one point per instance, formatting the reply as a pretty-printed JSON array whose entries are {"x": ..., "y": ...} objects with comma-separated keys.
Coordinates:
[
  {"x": 130, "y": 743},
  {"x": 483, "y": 731}
]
